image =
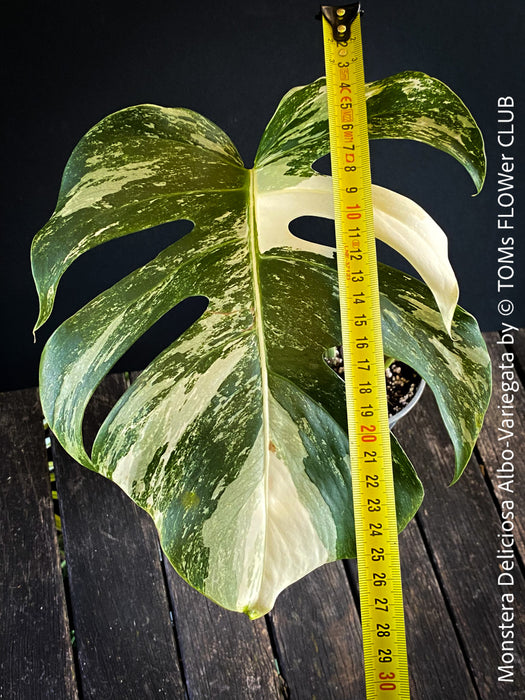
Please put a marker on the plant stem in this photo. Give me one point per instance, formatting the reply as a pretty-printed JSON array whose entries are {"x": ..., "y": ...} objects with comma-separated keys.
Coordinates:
[{"x": 388, "y": 361}]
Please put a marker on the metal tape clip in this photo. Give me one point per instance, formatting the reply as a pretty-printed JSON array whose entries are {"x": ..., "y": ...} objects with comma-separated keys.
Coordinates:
[{"x": 340, "y": 18}]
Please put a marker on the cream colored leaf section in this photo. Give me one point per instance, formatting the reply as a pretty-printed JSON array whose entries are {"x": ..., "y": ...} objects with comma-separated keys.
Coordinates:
[
  {"x": 271, "y": 526},
  {"x": 406, "y": 227},
  {"x": 300, "y": 530},
  {"x": 276, "y": 208},
  {"x": 399, "y": 222}
]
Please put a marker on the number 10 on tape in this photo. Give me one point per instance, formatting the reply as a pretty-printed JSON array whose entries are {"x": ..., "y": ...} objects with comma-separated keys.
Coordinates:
[{"x": 382, "y": 617}]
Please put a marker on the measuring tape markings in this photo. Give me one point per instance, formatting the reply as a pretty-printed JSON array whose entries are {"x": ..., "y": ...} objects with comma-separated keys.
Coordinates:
[{"x": 384, "y": 646}]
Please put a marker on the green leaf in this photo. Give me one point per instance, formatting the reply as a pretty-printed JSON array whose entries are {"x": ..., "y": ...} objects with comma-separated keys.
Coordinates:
[
  {"x": 234, "y": 437},
  {"x": 414, "y": 105},
  {"x": 456, "y": 366},
  {"x": 407, "y": 105}
]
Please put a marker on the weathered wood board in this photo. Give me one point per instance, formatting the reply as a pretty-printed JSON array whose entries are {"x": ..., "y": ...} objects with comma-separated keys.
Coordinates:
[{"x": 138, "y": 630}]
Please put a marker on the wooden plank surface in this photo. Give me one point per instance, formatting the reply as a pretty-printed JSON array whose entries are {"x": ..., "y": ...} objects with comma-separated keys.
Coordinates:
[
  {"x": 126, "y": 646},
  {"x": 460, "y": 525},
  {"x": 225, "y": 655},
  {"x": 318, "y": 636},
  {"x": 309, "y": 646},
  {"x": 35, "y": 657},
  {"x": 501, "y": 441},
  {"x": 437, "y": 666}
]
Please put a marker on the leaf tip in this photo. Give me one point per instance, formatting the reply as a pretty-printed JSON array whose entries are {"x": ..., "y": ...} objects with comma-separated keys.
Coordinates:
[
  {"x": 456, "y": 478},
  {"x": 253, "y": 614},
  {"x": 462, "y": 460},
  {"x": 42, "y": 318},
  {"x": 479, "y": 177}
]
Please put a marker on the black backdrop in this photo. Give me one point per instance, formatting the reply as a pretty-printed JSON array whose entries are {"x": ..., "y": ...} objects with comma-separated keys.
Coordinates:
[{"x": 66, "y": 65}]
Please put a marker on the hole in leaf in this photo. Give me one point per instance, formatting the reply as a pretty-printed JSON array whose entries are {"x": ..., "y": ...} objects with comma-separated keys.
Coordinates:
[
  {"x": 161, "y": 334},
  {"x": 323, "y": 165},
  {"x": 314, "y": 229},
  {"x": 402, "y": 382},
  {"x": 154, "y": 341},
  {"x": 100, "y": 268}
]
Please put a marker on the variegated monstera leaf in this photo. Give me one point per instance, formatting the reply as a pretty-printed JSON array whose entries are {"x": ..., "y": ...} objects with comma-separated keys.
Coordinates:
[{"x": 234, "y": 437}]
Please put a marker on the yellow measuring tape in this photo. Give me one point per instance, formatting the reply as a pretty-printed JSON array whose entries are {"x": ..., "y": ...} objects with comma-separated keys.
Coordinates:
[{"x": 382, "y": 617}]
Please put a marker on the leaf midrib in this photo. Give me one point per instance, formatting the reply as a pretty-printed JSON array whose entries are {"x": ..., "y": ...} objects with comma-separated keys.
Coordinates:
[{"x": 261, "y": 343}]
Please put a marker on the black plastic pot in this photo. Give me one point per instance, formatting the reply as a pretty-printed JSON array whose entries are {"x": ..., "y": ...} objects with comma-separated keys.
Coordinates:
[{"x": 400, "y": 401}]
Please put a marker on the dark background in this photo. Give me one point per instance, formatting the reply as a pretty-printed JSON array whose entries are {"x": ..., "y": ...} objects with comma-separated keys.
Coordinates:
[{"x": 67, "y": 65}]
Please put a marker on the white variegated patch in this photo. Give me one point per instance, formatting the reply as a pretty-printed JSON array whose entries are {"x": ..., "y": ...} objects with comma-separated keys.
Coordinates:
[
  {"x": 271, "y": 525},
  {"x": 173, "y": 407},
  {"x": 276, "y": 208},
  {"x": 406, "y": 227},
  {"x": 93, "y": 188}
]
